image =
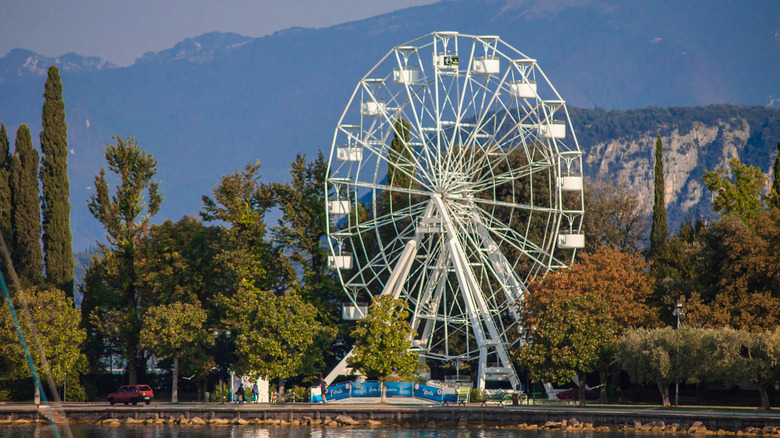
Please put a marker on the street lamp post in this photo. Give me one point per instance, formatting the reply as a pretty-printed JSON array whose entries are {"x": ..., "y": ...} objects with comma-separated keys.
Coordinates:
[
  {"x": 220, "y": 337},
  {"x": 678, "y": 312}
]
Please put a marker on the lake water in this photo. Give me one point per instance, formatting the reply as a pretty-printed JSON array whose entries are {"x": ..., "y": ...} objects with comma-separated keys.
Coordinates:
[{"x": 93, "y": 431}]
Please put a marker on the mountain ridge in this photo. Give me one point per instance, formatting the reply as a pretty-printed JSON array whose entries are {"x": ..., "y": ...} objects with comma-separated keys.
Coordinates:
[{"x": 215, "y": 102}]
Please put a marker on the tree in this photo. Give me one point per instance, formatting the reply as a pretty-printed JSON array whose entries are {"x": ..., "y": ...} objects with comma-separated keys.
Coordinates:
[
  {"x": 567, "y": 340},
  {"x": 6, "y": 205},
  {"x": 739, "y": 284},
  {"x": 383, "y": 341},
  {"x": 26, "y": 219},
  {"x": 240, "y": 203},
  {"x": 659, "y": 229},
  {"x": 581, "y": 311},
  {"x": 275, "y": 335},
  {"x": 119, "y": 213},
  {"x": 743, "y": 196},
  {"x": 614, "y": 219},
  {"x": 175, "y": 331},
  {"x": 663, "y": 356},
  {"x": 55, "y": 204},
  {"x": 750, "y": 357},
  {"x": 773, "y": 200},
  {"x": 50, "y": 323}
]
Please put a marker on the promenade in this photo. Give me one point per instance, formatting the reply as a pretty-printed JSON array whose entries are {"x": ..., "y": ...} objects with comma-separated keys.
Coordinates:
[{"x": 399, "y": 412}]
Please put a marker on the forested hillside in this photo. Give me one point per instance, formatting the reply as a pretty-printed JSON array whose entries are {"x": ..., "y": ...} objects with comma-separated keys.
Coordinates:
[{"x": 619, "y": 145}]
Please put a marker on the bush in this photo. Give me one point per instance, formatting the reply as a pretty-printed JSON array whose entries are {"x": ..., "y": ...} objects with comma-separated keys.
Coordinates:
[
  {"x": 476, "y": 395},
  {"x": 220, "y": 394}
]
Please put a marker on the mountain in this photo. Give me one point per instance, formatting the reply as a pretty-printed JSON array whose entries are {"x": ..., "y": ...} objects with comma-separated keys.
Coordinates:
[{"x": 213, "y": 103}]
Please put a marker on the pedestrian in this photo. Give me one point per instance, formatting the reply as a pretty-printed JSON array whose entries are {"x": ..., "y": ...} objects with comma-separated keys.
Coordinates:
[
  {"x": 240, "y": 393},
  {"x": 323, "y": 389},
  {"x": 255, "y": 393}
]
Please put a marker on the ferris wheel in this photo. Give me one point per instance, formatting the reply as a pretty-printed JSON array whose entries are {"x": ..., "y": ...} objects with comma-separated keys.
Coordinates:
[{"x": 452, "y": 181}]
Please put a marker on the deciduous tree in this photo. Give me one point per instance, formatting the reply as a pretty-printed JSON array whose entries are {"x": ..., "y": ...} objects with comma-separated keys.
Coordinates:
[
  {"x": 749, "y": 357},
  {"x": 119, "y": 318},
  {"x": 176, "y": 331},
  {"x": 55, "y": 203},
  {"x": 743, "y": 196},
  {"x": 613, "y": 219},
  {"x": 276, "y": 336},
  {"x": 383, "y": 341},
  {"x": 582, "y": 310},
  {"x": 52, "y": 329}
]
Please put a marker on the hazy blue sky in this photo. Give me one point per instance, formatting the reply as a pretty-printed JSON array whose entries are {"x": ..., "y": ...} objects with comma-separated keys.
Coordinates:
[{"x": 123, "y": 30}]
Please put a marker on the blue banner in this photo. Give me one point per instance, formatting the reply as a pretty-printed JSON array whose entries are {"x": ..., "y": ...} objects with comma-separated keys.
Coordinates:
[
  {"x": 366, "y": 389},
  {"x": 432, "y": 393},
  {"x": 399, "y": 389},
  {"x": 338, "y": 392}
]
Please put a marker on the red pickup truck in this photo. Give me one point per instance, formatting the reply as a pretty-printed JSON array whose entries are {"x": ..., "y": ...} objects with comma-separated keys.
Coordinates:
[{"x": 131, "y": 394}]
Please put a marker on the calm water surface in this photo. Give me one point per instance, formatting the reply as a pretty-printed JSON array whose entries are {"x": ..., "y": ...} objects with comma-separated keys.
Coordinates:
[{"x": 89, "y": 431}]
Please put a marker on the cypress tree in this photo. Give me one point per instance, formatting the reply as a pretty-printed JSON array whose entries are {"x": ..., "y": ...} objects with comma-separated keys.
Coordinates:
[
  {"x": 6, "y": 230},
  {"x": 55, "y": 205},
  {"x": 659, "y": 229},
  {"x": 5, "y": 187},
  {"x": 774, "y": 193},
  {"x": 26, "y": 216}
]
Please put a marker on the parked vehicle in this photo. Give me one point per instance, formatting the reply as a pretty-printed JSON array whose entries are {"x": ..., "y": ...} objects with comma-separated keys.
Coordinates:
[
  {"x": 574, "y": 394},
  {"x": 131, "y": 394}
]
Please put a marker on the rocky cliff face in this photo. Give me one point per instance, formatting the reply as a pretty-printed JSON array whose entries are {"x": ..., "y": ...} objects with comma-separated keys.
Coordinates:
[{"x": 690, "y": 148}]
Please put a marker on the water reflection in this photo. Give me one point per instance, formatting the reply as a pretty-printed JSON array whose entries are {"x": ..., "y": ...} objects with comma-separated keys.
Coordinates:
[{"x": 137, "y": 431}]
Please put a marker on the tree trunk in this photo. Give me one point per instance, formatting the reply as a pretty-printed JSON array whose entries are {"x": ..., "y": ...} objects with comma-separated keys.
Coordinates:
[
  {"x": 175, "y": 383},
  {"x": 132, "y": 370},
  {"x": 664, "y": 388},
  {"x": 280, "y": 383},
  {"x": 603, "y": 376},
  {"x": 581, "y": 381},
  {"x": 384, "y": 397},
  {"x": 763, "y": 394}
]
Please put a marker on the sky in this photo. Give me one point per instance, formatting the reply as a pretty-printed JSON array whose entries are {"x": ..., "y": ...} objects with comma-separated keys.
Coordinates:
[{"x": 122, "y": 30}]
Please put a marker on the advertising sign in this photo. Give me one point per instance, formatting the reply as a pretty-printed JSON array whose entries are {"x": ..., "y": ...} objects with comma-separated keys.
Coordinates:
[
  {"x": 366, "y": 389},
  {"x": 426, "y": 392},
  {"x": 399, "y": 389},
  {"x": 338, "y": 392}
]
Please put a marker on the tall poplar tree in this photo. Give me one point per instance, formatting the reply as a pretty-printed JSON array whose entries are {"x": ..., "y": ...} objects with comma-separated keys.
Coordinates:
[
  {"x": 26, "y": 216},
  {"x": 55, "y": 205},
  {"x": 773, "y": 201},
  {"x": 660, "y": 228},
  {"x": 5, "y": 188},
  {"x": 120, "y": 214}
]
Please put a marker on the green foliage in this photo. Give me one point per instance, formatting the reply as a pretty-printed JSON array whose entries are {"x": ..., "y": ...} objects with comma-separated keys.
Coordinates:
[
  {"x": 659, "y": 230},
  {"x": 6, "y": 205},
  {"x": 383, "y": 341},
  {"x": 693, "y": 355},
  {"x": 55, "y": 204},
  {"x": 773, "y": 200},
  {"x": 276, "y": 336},
  {"x": 749, "y": 357},
  {"x": 50, "y": 324},
  {"x": 245, "y": 254},
  {"x": 26, "y": 253},
  {"x": 613, "y": 219},
  {"x": 117, "y": 310},
  {"x": 743, "y": 196},
  {"x": 176, "y": 331},
  {"x": 737, "y": 284}
]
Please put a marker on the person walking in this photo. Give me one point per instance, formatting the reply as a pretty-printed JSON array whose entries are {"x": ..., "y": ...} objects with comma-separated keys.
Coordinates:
[
  {"x": 240, "y": 393},
  {"x": 323, "y": 389},
  {"x": 255, "y": 393}
]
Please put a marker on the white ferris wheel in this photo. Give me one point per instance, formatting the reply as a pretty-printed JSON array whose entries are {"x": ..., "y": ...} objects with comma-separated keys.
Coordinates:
[{"x": 452, "y": 181}]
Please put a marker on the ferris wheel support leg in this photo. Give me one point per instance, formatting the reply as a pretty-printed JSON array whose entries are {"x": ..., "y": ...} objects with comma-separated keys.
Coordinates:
[
  {"x": 341, "y": 369},
  {"x": 482, "y": 366}
]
